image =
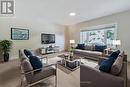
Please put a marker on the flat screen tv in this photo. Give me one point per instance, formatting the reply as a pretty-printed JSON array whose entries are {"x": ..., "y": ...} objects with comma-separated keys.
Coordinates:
[{"x": 47, "y": 38}]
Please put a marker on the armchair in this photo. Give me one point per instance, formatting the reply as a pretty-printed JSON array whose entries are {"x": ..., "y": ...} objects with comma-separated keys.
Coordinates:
[
  {"x": 32, "y": 76},
  {"x": 36, "y": 76}
]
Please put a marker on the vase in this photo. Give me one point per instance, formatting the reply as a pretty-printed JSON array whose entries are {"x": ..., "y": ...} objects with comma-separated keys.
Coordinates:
[
  {"x": 6, "y": 57},
  {"x": 71, "y": 56}
]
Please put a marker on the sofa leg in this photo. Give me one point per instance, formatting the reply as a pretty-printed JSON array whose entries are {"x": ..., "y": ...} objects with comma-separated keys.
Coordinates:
[
  {"x": 55, "y": 81},
  {"x": 56, "y": 76}
]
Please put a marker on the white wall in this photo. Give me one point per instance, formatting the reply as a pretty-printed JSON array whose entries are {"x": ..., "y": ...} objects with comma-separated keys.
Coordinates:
[
  {"x": 123, "y": 28},
  {"x": 35, "y": 30}
]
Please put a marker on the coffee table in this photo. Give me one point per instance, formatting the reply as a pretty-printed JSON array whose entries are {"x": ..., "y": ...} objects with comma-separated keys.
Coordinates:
[{"x": 69, "y": 63}]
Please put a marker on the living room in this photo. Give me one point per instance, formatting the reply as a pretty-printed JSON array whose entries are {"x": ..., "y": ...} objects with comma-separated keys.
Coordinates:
[{"x": 67, "y": 23}]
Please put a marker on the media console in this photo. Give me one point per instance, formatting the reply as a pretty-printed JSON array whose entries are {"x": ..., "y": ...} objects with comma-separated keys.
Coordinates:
[{"x": 49, "y": 50}]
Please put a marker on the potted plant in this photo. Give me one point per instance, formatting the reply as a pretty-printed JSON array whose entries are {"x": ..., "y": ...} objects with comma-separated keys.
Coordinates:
[
  {"x": 71, "y": 50},
  {"x": 5, "y": 46}
]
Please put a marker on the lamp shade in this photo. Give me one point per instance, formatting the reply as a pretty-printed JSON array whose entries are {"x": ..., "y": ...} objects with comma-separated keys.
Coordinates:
[
  {"x": 116, "y": 42},
  {"x": 72, "y": 41}
]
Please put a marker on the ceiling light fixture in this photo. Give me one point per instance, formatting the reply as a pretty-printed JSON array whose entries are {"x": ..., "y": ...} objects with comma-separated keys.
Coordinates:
[{"x": 72, "y": 14}]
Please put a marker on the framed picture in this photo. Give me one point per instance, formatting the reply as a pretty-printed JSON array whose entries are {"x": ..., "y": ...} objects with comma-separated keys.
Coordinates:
[{"x": 19, "y": 34}]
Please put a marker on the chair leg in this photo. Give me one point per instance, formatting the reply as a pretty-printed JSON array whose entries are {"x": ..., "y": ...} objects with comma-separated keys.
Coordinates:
[
  {"x": 21, "y": 84},
  {"x": 56, "y": 76},
  {"x": 55, "y": 81}
]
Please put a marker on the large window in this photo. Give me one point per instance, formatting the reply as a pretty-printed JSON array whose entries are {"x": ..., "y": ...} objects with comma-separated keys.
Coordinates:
[{"x": 99, "y": 35}]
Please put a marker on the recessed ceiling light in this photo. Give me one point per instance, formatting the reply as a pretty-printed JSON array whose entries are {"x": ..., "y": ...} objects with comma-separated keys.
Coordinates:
[{"x": 72, "y": 14}]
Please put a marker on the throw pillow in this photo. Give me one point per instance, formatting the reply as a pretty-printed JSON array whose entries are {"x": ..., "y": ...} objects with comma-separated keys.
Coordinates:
[
  {"x": 105, "y": 65},
  {"x": 100, "y": 48},
  {"x": 27, "y": 53},
  {"x": 35, "y": 62},
  {"x": 80, "y": 46},
  {"x": 117, "y": 65},
  {"x": 115, "y": 54}
]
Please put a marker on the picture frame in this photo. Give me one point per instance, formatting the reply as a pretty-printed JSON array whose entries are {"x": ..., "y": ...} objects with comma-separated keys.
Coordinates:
[{"x": 19, "y": 34}]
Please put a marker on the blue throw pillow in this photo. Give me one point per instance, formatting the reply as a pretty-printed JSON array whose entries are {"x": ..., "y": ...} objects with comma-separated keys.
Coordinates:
[
  {"x": 27, "y": 53},
  {"x": 115, "y": 54},
  {"x": 35, "y": 62},
  {"x": 100, "y": 48},
  {"x": 106, "y": 65},
  {"x": 80, "y": 46}
]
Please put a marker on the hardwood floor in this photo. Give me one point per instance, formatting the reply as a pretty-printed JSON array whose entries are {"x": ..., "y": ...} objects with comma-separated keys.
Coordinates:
[{"x": 10, "y": 74}]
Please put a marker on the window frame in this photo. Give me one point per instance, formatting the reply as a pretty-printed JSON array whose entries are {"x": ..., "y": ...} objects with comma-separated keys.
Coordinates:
[{"x": 99, "y": 27}]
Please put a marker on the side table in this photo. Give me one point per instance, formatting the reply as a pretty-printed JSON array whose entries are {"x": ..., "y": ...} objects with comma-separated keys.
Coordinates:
[
  {"x": 44, "y": 57},
  {"x": 108, "y": 51}
]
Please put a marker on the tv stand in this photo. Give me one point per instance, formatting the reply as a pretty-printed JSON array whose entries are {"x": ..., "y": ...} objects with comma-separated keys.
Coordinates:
[{"x": 49, "y": 50}]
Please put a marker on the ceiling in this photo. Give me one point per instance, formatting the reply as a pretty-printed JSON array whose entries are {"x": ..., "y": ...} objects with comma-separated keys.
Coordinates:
[{"x": 57, "y": 11}]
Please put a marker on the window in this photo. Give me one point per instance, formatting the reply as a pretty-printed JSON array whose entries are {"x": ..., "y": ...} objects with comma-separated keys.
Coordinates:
[{"x": 99, "y": 35}]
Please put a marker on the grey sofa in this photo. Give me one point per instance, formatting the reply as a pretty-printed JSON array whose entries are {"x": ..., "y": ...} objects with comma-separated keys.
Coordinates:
[
  {"x": 93, "y": 77},
  {"x": 93, "y": 51},
  {"x": 94, "y": 55}
]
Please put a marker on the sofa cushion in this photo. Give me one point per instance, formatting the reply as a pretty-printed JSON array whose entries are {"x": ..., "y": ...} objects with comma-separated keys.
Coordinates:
[
  {"x": 44, "y": 73},
  {"x": 87, "y": 53},
  {"x": 26, "y": 65},
  {"x": 80, "y": 46},
  {"x": 100, "y": 48},
  {"x": 117, "y": 65},
  {"x": 35, "y": 62},
  {"x": 106, "y": 65},
  {"x": 115, "y": 54},
  {"x": 27, "y": 53}
]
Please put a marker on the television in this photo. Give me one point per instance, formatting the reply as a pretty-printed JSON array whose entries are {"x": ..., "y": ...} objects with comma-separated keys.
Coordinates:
[{"x": 47, "y": 38}]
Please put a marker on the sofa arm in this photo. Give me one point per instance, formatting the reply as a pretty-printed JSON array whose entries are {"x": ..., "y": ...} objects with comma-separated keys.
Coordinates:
[
  {"x": 35, "y": 70},
  {"x": 91, "y": 77}
]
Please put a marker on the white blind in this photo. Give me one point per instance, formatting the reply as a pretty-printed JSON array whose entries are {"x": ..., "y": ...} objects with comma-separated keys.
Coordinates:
[{"x": 104, "y": 35}]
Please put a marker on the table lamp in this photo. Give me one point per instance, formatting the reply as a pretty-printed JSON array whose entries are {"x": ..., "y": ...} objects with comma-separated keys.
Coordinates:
[
  {"x": 72, "y": 41},
  {"x": 116, "y": 43}
]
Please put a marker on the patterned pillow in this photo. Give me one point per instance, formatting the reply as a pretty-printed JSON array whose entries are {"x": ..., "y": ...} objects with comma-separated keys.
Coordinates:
[{"x": 90, "y": 47}]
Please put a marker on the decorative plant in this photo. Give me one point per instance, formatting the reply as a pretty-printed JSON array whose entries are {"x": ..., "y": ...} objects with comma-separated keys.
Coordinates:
[
  {"x": 71, "y": 49},
  {"x": 5, "y": 46}
]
